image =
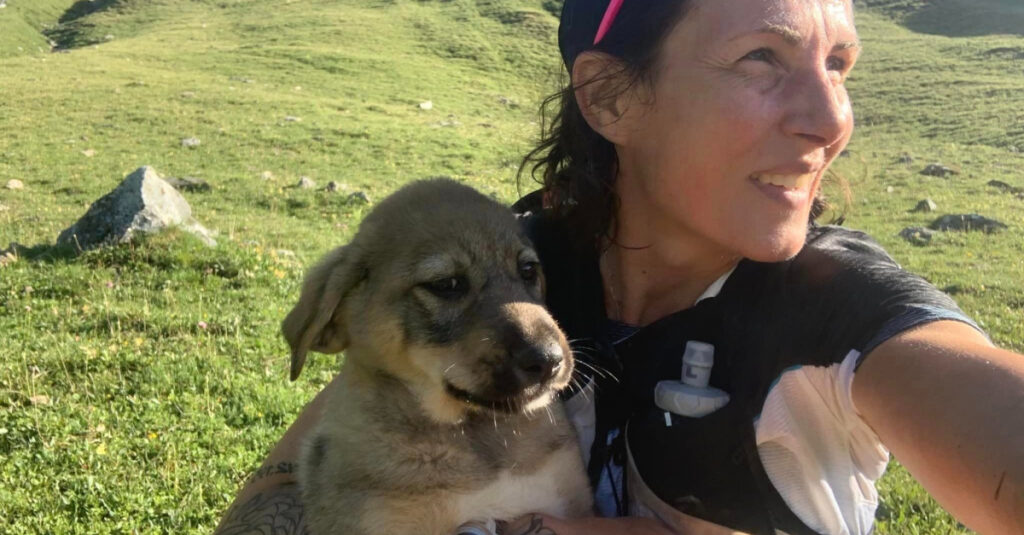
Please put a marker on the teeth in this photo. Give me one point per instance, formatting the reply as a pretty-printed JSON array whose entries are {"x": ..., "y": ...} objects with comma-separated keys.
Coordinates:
[{"x": 787, "y": 181}]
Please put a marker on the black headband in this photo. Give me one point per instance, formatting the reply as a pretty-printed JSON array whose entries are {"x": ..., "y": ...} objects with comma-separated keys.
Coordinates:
[{"x": 581, "y": 26}]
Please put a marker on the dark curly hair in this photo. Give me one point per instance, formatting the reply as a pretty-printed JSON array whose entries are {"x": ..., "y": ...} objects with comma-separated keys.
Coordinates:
[{"x": 576, "y": 166}]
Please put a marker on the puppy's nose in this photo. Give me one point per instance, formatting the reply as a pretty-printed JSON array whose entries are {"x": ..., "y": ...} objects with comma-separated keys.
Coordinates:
[{"x": 537, "y": 364}]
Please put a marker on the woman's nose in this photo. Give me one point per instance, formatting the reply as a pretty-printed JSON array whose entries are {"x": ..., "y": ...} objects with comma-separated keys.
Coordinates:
[{"x": 818, "y": 108}]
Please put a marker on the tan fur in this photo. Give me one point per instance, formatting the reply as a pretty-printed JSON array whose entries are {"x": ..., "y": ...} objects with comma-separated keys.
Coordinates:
[{"x": 424, "y": 432}]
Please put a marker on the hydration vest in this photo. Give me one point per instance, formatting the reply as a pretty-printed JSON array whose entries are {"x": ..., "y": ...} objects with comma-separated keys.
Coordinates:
[{"x": 833, "y": 297}]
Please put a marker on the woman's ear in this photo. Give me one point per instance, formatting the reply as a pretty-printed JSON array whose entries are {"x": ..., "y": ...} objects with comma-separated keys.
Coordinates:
[{"x": 606, "y": 95}]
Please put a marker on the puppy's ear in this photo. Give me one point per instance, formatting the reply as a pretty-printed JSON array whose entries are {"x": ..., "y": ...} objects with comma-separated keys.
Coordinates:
[{"x": 314, "y": 323}]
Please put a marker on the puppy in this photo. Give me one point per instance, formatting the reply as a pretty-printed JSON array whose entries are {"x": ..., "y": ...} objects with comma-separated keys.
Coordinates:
[{"x": 444, "y": 410}]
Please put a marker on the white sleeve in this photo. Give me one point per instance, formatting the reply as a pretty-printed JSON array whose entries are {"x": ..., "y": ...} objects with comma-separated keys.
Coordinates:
[{"x": 817, "y": 451}]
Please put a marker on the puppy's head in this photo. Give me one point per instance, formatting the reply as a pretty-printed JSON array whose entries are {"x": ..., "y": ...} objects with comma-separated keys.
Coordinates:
[{"x": 440, "y": 289}]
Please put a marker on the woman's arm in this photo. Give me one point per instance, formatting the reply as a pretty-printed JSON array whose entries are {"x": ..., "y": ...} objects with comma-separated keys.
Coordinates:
[
  {"x": 950, "y": 407},
  {"x": 269, "y": 502}
]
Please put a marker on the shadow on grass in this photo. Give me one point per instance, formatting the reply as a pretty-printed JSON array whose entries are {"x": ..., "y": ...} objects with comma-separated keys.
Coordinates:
[
  {"x": 82, "y": 8},
  {"x": 46, "y": 253},
  {"x": 68, "y": 33},
  {"x": 955, "y": 18}
]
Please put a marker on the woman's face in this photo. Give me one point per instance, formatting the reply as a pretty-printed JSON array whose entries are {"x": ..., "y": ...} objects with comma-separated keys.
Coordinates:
[{"x": 748, "y": 110}]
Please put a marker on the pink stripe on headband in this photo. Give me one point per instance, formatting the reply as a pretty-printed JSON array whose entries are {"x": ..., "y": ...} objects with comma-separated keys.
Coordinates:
[{"x": 609, "y": 18}]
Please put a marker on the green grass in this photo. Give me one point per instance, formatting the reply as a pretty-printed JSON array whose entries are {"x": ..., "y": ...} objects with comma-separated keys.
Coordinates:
[{"x": 139, "y": 385}]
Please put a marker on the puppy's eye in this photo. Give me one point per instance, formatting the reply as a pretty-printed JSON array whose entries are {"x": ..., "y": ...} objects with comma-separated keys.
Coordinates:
[
  {"x": 529, "y": 271},
  {"x": 448, "y": 287}
]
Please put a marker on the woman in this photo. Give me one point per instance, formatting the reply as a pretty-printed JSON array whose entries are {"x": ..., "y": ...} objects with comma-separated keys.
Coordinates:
[{"x": 679, "y": 179}]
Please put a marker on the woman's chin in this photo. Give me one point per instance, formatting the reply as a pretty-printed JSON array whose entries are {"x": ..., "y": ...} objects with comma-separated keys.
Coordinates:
[{"x": 778, "y": 246}]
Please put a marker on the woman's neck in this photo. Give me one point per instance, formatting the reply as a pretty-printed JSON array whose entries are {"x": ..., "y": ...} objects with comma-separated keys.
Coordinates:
[{"x": 652, "y": 270}]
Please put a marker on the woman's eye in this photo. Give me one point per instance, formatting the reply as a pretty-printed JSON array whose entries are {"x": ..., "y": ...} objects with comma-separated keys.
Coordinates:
[
  {"x": 834, "y": 63},
  {"x": 448, "y": 287},
  {"x": 761, "y": 54}
]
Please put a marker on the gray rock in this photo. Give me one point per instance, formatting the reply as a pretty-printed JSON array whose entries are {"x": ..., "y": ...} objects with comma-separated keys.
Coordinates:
[
  {"x": 905, "y": 159},
  {"x": 917, "y": 235},
  {"x": 305, "y": 183},
  {"x": 292, "y": 119},
  {"x": 190, "y": 184},
  {"x": 1004, "y": 187},
  {"x": 925, "y": 205},
  {"x": 14, "y": 184},
  {"x": 967, "y": 222},
  {"x": 267, "y": 175},
  {"x": 333, "y": 186},
  {"x": 190, "y": 142},
  {"x": 360, "y": 196},
  {"x": 939, "y": 170},
  {"x": 426, "y": 105},
  {"x": 143, "y": 202}
]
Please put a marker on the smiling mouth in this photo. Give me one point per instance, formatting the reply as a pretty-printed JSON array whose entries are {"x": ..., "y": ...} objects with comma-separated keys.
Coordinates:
[{"x": 789, "y": 182}]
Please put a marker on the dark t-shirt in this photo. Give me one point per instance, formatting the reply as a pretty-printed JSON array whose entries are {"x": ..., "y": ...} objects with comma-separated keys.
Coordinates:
[{"x": 788, "y": 336}]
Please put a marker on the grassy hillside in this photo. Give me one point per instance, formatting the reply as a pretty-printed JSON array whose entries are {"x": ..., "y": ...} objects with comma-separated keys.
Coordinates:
[
  {"x": 139, "y": 385},
  {"x": 23, "y": 23}
]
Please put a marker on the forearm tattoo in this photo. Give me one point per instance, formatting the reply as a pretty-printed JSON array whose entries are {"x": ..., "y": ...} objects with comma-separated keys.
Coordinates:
[
  {"x": 277, "y": 511},
  {"x": 527, "y": 525},
  {"x": 273, "y": 469}
]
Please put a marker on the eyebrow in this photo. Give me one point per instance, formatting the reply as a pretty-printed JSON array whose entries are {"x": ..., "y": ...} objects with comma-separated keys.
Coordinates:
[{"x": 793, "y": 37}]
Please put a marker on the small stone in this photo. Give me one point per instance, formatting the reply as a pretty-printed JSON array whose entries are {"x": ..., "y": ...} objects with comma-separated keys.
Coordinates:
[
  {"x": 292, "y": 119},
  {"x": 967, "y": 222},
  {"x": 284, "y": 253},
  {"x": 188, "y": 183},
  {"x": 305, "y": 183},
  {"x": 15, "y": 184},
  {"x": 889, "y": 189},
  {"x": 917, "y": 235},
  {"x": 190, "y": 142},
  {"x": 925, "y": 205},
  {"x": 188, "y": 94},
  {"x": 39, "y": 400},
  {"x": 905, "y": 158},
  {"x": 267, "y": 175},
  {"x": 426, "y": 105},
  {"x": 508, "y": 102},
  {"x": 8, "y": 256},
  {"x": 333, "y": 186},
  {"x": 360, "y": 196},
  {"x": 939, "y": 170},
  {"x": 88, "y": 153}
]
